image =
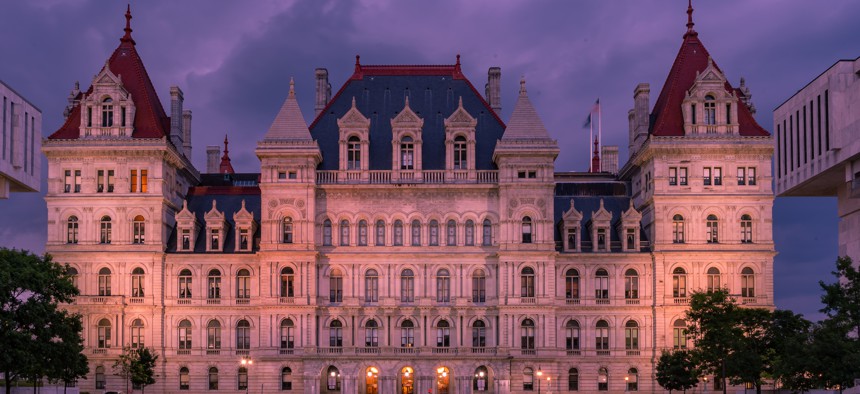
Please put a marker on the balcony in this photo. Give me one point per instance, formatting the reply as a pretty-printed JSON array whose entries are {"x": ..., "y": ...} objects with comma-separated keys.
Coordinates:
[
  {"x": 572, "y": 301},
  {"x": 135, "y": 300},
  {"x": 444, "y": 350},
  {"x": 631, "y": 301},
  {"x": 406, "y": 177},
  {"x": 329, "y": 350},
  {"x": 367, "y": 350},
  {"x": 405, "y": 350},
  {"x": 528, "y": 300},
  {"x": 484, "y": 350},
  {"x": 243, "y": 352},
  {"x": 601, "y": 301},
  {"x": 528, "y": 352},
  {"x": 183, "y": 301},
  {"x": 213, "y": 301},
  {"x": 574, "y": 352},
  {"x": 632, "y": 352},
  {"x": 680, "y": 300},
  {"x": 286, "y": 300},
  {"x": 603, "y": 352},
  {"x": 243, "y": 301}
]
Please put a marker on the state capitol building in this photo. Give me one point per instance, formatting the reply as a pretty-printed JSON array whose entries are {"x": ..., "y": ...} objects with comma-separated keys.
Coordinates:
[{"x": 407, "y": 239}]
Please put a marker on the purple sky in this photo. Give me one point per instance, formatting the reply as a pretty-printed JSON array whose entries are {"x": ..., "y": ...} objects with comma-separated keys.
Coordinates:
[{"x": 234, "y": 60}]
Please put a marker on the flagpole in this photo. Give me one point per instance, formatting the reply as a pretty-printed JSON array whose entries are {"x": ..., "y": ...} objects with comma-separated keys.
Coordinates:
[
  {"x": 590, "y": 139},
  {"x": 599, "y": 133}
]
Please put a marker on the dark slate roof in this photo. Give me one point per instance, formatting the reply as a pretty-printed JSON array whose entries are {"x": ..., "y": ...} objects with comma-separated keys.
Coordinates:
[
  {"x": 228, "y": 200},
  {"x": 241, "y": 179},
  {"x": 380, "y": 94}
]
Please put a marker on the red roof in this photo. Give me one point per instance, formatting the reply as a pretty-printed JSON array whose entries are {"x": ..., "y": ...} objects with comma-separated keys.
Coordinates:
[
  {"x": 150, "y": 120},
  {"x": 692, "y": 58}
]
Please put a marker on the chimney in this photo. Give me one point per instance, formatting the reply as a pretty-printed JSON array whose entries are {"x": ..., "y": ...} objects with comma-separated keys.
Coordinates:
[
  {"x": 323, "y": 90},
  {"x": 186, "y": 133},
  {"x": 213, "y": 159},
  {"x": 631, "y": 125},
  {"x": 609, "y": 159},
  {"x": 493, "y": 90},
  {"x": 641, "y": 108},
  {"x": 176, "y": 99}
]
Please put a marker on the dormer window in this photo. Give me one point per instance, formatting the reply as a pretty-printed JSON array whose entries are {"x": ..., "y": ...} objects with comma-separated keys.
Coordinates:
[
  {"x": 107, "y": 112},
  {"x": 353, "y": 148},
  {"x": 460, "y": 139},
  {"x": 215, "y": 239},
  {"x": 107, "y": 96},
  {"x": 186, "y": 239},
  {"x": 460, "y": 155},
  {"x": 186, "y": 229},
  {"x": 601, "y": 239},
  {"x": 710, "y": 110},
  {"x": 354, "y": 136},
  {"x": 407, "y": 154},
  {"x": 215, "y": 229}
]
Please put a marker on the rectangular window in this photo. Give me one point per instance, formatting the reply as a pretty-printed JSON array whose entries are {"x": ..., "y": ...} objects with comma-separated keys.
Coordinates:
[
  {"x": 797, "y": 132},
  {"x": 693, "y": 113},
  {"x": 706, "y": 176},
  {"x": 682, "y": 176},
  {"x": 521, "y": 174},
  {"x": 292, "y": 175},
  {"x": 673, "y": 176},
  {"x": 751, "y": 176},
  {"x": 4, "y": 128},
  {"x": 811, "y": 129},
  {"x": 26, "y": 126},
  {"x": 805, "y": 137},
  {"x": 532, "y": 174},
  {"x": 186, "y": 239},
  {"x": 728, "y": 114},
  {"x": 89, "y": 116},
  {"x": 571, "y": 239},
  {"x": 282, "y": 175},
  {"x": 718, "y": 176},
  {"x": 778, "y": 150},
  {"x": 215, "y": 239},
  {"x": 133, "y": 181},
  {"x": 827, "y": 120},
  {"x": 67, "y": 181},
  {"x": 818, "y": 117},
  {"x": 601, "y": 239},
  {"x": 244, "y": 239},
  {"x": 791, "y": 141},
  {"x": 742, "y": 177},
  {"x": 631, "y": 239},
  {"x": 122, "y": 109},
  {"x": 77, "y": 180},
  {"x": 143, "y": 181}
]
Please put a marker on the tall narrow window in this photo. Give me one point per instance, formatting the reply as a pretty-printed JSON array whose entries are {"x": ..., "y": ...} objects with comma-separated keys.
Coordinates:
[
  {"x": 244, "y": 238},
  {"x": 443, "y": 334},
  {"x": 335, "y": 334},
  {"x": 571, "y": 329},
  {"x": 528, "y": 379},
  {"x": 526, "y": 230},
  {"x": 630, "y": 239},
  {"x": 679, "y": 283},
  {"x": 371, "y": 286},
  {"x": 243, "y": 284},
  {"x": 286, "y": 379},
  {"x": 527, "y": 335},
  {"x": 601, "y": 239},
  {"x": 571, "y": 284},
  {"x": 214, "y": 239},
  {"x": 601, "y": 335},
  {"x": 186, "y": 239},
  {"x": 479, "y": 334},
  {"x": 416, "y": 233},
  {"x": 344, "y": 233},
  {"x": 682, "y": 176},
  {"x": 137, "y": 334},
  {"x": 601, "y": 284},
  {"x": 728, "y": 114},
  {"x": 673, "y": 176},
  {"x": 479, "y": 286},
  {"x": 751, "y": 176},
  {"x": 573, "y": 379},
  {"x": 407, "y": 154},
  {"x": 333, "y": 379},
  {"x": 100, "y": 374},
  {"x": 443, "y": 286},
  {"x": 746, "y": 229},
  {"x": 138, "y": 230},
  {"x": 104, "y": 334},
  {"x": 104, "y": 282},
  {"x": 185, "y": 283},
  {"x": 243, "y": 335},
  {"x": 710, "y": 110},
  {"x": 742, "y": 176},
  {"x": 631, "y": 335},
  {"x": 327, "y": 232},
  {"x": 632, "y": 378},
  {"x": 469, "y": 231},
  {"x": 107, "y": 112},
  {"x": 243, "y": 379},
  {"x": 527, "y": 282},
  {"x": 678, "y": 229},
  {"x": 631, "y": 284},
  {"x": 336, "y": 286},
  {"x": 434, "y": 233},
  {"x": 693, "y": 113},
  {"x": 407, "y": 334},
  {"x": 482, "y": 377},
  {"x": 713, "y": 280},
  {"x": 72, "y": 272},
  {"x": 287, "y": 335},
  {"x": 213, "y": 378},
  {"x": 184, "y": 378},
  {"x": 362, "y": 233},
  {"x": 747, "y": 282},
  {"x": 407, "y": 286},
  {"x": 572, "y": 239},
  {"x": 371, "y": 333},
  {"x": 712, "y": 226},
  {"x": 398, "y": 233},
  {"x": 353, "y": 153},
  {"x": 214, "y": 284},
  {"x": 451, "y": 232},
  {"x": 288, "y": 276},
  {"x": 718, "y": 176},
  {"x": 105, "y": 230},
  {"x": 487, "y": 236},
  {"x": 137, "y": 276},
  {"x": 706, "y": 176},
  {"x": 185, "y": 335},
  {"x": 460, "y": 162},
  {"x": 72, "y": 230},
  {"x": 679, "y": 334},
  {"x": 380, "y": 233},
  {"x": 287, "y": 228},
  {"x": 123, "y": 112}
]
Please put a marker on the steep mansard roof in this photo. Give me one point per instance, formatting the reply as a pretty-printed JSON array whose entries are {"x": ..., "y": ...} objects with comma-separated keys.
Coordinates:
[
  {"x": 666, "y": 118},
  {"x": 525, "y": 122},
  {"x": 289, "y": 124},
  {"x": 150, "y": 120},
  {"x": 380, "y": 94}
]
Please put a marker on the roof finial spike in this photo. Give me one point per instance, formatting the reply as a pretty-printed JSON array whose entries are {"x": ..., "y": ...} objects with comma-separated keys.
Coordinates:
[
  {"x": 226, "y": 167},
  {"x": 353, "y": 101},
  {"x": 458, "y": 59},
  {"x": 690, "y": 18},
  {"x": 225, "y": 145},
  {"x": 357, "y": 64},
  {"x": 407, "y": 101},
  {"x": 461, "y": 102},
  {"x": 292, "y": 87},
  {"x": 127, "y": 36},
  {"x": 523, "y": 85}
]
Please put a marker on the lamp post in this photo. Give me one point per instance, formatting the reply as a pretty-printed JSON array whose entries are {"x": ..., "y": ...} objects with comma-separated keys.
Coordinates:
[
  {"x": 539, "y": 374},
  {"x": 548, "y": 384},
  {"x": 626, "y": 381},
  {"x": 706, "y": 383},
  {"x": 246, "y": 363}
]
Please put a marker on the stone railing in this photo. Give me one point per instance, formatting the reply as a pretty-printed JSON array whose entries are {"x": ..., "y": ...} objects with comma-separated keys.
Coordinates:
[{"x": 334, "y": 177}]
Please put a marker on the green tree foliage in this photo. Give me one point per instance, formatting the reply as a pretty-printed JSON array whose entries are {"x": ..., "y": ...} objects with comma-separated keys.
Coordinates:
[
  {"x": 712, "y": 323},
  {"x": 841, "y": 299},
  {"x": 677, "y": 371},
  {"x": 835, "y": 340},
  {"x": 35, "y": 334},
  {"x": 143, "y": 367},
  {"x": 792, "y": 363}
]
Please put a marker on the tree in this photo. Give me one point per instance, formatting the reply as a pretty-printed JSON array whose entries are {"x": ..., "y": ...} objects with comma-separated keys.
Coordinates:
[
  {"x": 143, "y": 367},
  {"x": 842, "y": 299},
  {"x": 712, "y": 323},
  {"x": 792, "y": 363},
  {"x": 677, "y": 371},
  {"x": 750, "y": 354},
  {"x": 34, "y": 331},
  {"x": 836, "y": 356}
]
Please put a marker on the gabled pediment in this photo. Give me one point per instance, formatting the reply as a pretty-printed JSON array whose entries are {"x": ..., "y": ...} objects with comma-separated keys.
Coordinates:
[
  {"x": 572, "y": 214},
  {"x": 185, "y": 215},
  {"x": 353, "y": 118},
  {"x": 214, "y": 216},
  {"x": 601, "y": 215},
  {"x": 631, "y": 215},
  {"x": 407, "y": 118},
  {"x": 243, "y": 216},
  {"x": 461, "y": 118}
]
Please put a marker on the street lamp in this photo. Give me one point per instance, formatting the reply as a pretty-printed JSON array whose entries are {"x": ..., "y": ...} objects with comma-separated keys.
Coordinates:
[
  {"x": 706, "y": 383},
  {"x": 246, "y": 363},
  {"x": 539, "y": 374},
  {"x": 626, "y": 381},
  {"x": 548, "y": 384}
]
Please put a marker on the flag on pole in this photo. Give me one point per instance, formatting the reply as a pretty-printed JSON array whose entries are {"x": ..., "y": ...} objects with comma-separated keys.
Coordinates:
[
  {"x": 587, "y": 123},
  {"x": 595, "y": 108}
]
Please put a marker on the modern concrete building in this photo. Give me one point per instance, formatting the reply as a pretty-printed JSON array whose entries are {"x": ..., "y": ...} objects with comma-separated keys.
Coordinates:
[
  {"x": 818, "y": 146},
  {"x": 407, "y": 240},
  {"x": 20, "y": 141}
]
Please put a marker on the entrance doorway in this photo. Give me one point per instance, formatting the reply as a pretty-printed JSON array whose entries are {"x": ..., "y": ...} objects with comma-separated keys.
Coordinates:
[
  {"x": 443, "y": 376},
  {"x": 371, "y": 382},
  {"x": 407, "y": 380}
]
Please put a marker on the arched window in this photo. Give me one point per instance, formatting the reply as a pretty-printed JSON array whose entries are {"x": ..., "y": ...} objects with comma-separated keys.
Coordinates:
[
  {"x": 407, "y": 153},
  {"x": 72, "y": 230},
  {"x": 353, "y": 153},
  {"x": 104, "y": 282},
  {"x": 286, "y": 379},
  {"x": 713, "y": 279},
  {"x": 288, "y": 289},
  {"x": 287, "y": 335},
  {"x": 679, "y": 334},
  {"x": 333, "y": 379},
  {"x": 104, "y": 334},
  {"x": 571, "y": 284},
  {"x": 335, "y": 333},
  {"x": 138, "y": 229},
  {"x": 243, "y": 378},
  {"x": 105, "y": 230},
  {"x": 571, "y": 329},
  {"x": 710, "y": 110},
  {"x": 72, "y": 273},
  {"x": 214, "y": 282},
  {"x": 243, "y": 284},
  {"x": 527, "y": 282},
  {"x": 469, "y": 231},
  {"x": 746, "y": 229},
  {"x": 443, "y": 334},
  {"x": 632, "y": 379},
  {"x": 482, "y": 376},
  {"x": 602, "y": 379},
  {"x": 416, "y": 233},
  {"x": 398, "y": 233},
  {"x": 679, "y": 283},
  {"x": 434, "y": 233},
  {"x": 362, "y": 233},
  {"x": 443, "y": 286},
  {"x": 602, "y": 335},
  {"x": 335, "y": 285},
  {"x": 213, "y": 378},
  {"x": 460, "y": 158},
  {"x": 344, "y": 233},
  {"x": 137, "y": 282},
  {"x": 407, "y": 334},
  {"x": 407, "y": 286},
  {"x": 243, "y": 335},
  {"x": 487, "y": 233},
  {"x": 528, "y": 379},
  {"x": 185, "y": 335},
  {"x": 184, "y": 379},
  {"x": 137, "y": 334},
  {"x": 631, "y": 284},
  {"x": 371, "y": 286},
  {"x": 371, "y": 383},
  {"x": 631, "y": 335},
  {"x": 452, "y": 233},
  {"x": 479, "y": 334},
  {"x": 713, "y": 235},
  {"x": 185, "y": 283},
  {"x": 601, "y": 284},
  {"x": 573, "y": 379},
  {"x": 327, "y": 232},
  {"x": 678, "y": 229},
  {"x": 213, "y": 335},
  {"x": 479, "y": 286},
  {"x": 371, "y": 333},
  {"x": 527, "y": 335},
  {"x": 100, "y": 377},
  {"x": 380, "y": 233},
  {"x": 107, "y": 112},
  {"x": 287, "y": 230},
  {"x": 747, "y": 283},
  {"x": 527, "y": 230}
]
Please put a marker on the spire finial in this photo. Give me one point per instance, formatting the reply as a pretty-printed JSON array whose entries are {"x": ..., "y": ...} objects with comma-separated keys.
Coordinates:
[
  {"x": 292, "y": 87},
  {"x": 460, "y": 104},
  {"x": 225, "y": 145},
  {"x": 407, "y": 101},
  {"x": 127, "y": 36},
  {"x": 357, "y": 64},
  {"x": 523, "y": 85},
  {"x": 690, "y": 23},
  {"x": 595, "y": 158},
  {"x": 226, "y": 167},
  {"x": 458, "y": 59}
]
